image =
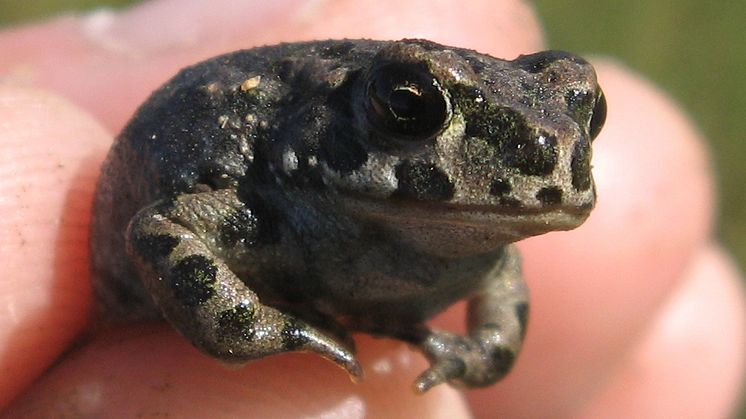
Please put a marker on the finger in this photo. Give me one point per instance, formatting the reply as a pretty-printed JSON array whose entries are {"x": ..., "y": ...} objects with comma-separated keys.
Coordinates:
[
  {"x": 49, "y": 159},
  {"x": 160, "y": 371},
  {"x": 695, "y": 345},
  {"x": 108, "y": 63},
  {"x": 594, "y": 290}
]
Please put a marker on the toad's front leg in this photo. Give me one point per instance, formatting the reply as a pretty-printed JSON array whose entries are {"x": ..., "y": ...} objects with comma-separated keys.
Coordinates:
[
  {"x": 497, "y": 322},
  {"x": 175, "y": 247}
]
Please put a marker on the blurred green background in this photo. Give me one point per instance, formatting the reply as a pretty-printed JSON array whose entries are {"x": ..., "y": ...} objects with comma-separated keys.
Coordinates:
[{"x": 695, "y": 50}]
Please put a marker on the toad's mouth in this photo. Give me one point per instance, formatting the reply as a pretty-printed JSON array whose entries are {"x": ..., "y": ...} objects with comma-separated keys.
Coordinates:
[
  {"x": 448, "y": 208},
  {"x": 522, "y": 221}
]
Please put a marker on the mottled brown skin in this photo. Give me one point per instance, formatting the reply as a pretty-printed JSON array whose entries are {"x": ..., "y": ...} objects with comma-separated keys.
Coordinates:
[{"x": 273, "y": 199}]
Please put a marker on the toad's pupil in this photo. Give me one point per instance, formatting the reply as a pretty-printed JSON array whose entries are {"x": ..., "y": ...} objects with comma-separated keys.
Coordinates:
[{"x": 406, "y": 102}]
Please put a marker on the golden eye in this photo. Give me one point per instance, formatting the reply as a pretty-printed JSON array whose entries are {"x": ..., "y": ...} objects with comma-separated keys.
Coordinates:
[{"x": 406, "y": 102}]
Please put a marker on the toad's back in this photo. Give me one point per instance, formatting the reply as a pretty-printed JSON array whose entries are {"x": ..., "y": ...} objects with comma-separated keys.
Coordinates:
[{"x": 206, "y": 129}]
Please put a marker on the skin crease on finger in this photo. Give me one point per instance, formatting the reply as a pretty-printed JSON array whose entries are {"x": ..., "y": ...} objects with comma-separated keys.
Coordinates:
[
  {"x": 49, "y": 156},
  {"x": 163, "y": 371},
  {"x": 662, "y": 141}
]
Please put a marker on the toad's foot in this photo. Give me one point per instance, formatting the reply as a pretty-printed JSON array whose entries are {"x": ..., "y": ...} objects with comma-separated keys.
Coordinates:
[{"x": 466, "y": 361}]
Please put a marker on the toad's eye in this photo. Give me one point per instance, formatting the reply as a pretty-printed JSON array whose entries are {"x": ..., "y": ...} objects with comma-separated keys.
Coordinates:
[
  {"x": 598, "y": 116},
  {"x": 406, "y": 102}
]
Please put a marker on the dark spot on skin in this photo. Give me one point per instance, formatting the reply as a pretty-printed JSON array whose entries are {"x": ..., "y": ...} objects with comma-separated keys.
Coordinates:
[
  {"x": 536, "y": 63},
  {"x": 286, "y": 69},
  {"x": 193, "y": 280},
  {"x": 532, "y": 152},
  {"x": 577, "y": 99},
  {"x": 155, "y": 246},
  {"x": 588, "y": 109},
  {"x": 341, "y": 151},
  {"x": 581, "y": 166},
  {"x": 500, "y": 187},
  {"x": 239, "y": 226},
  {"x": 550, "y": 195},
  {"x": 422, "y": 181},
  {"x": 269, "y": 231},
  {"x": 213, "y": 177},
  {"x": 293, "y": 336},
  {"x": 340, "y": 97},
  {"x": 503, "y": 360},
  {"x": 267, "y": 221},
  {"x": 579, "y": 105},
  {"x": 238, "y": 321},
  {"x": 470, "y": 100},
  {"x": 521, "y": 311}
]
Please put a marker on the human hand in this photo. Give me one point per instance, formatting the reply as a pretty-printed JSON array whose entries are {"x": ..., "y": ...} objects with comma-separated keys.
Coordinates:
[{"x": 631, "y": 314}]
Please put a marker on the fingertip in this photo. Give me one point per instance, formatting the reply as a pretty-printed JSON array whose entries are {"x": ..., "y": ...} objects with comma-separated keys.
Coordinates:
[
  {"x": 504, "y": 28},
  {"x": 50, "y": 155},
  {"x": 695, "y": 346},
  {"x": 147, "y": 369}
]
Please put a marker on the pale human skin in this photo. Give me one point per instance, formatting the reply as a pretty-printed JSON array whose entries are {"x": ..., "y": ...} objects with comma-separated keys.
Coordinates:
[{"x": 632, "y": 314}]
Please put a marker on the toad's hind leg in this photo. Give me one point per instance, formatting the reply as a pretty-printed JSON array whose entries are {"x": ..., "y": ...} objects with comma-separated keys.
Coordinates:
[
  {"x": 200, "y": 296},
  {"x": 497, "y": 322}
]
